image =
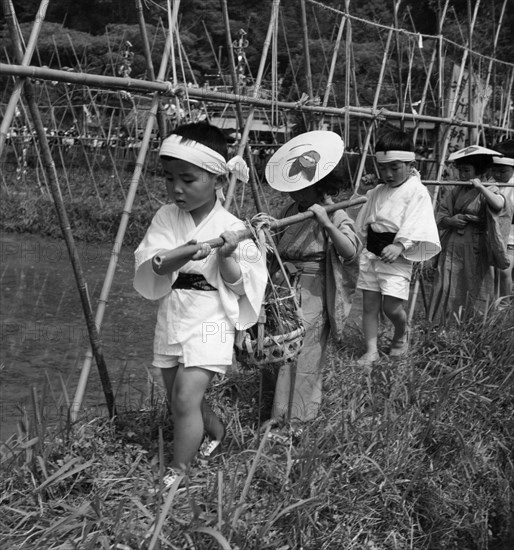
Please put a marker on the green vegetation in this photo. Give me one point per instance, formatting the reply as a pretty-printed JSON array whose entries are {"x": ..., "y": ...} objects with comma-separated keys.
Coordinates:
[{"x": 415, "y": 454}]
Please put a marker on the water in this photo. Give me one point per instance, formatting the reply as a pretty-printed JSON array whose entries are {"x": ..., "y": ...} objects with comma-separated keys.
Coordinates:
[{"x": 43, "y": 330}]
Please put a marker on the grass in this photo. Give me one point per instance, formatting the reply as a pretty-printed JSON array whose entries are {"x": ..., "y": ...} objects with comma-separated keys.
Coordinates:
[{"x": 416, "y": 454}]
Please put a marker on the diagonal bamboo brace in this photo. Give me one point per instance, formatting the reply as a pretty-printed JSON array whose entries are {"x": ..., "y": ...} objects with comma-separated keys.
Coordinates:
[{"x": 165, "y": 259}]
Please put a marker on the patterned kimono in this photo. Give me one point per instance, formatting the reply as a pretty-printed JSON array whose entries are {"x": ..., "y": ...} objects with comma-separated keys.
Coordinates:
[
  {"x": 464, "y": 278},
  {"x": 327, "y": 284}
]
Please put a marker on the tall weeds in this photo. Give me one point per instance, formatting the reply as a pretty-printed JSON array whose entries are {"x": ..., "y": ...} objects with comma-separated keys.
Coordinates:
[{"x": 416, "y": 454}]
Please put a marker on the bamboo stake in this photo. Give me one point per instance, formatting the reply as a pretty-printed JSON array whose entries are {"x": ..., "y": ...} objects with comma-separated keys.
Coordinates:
[
  {"x": 64, "y": 223},
  {"x": 367, "y": 139},
  {"x": 257, "y": 85},
  {"x": 25, "y": 60},
  {"x": 127, "y": 209},
  {"x": 161, "y": 121},
  {"x": 306, "y": 51},
  {"x": 332, "y": 69},
  {"x": 239, "y": 112},
  {"x": 429, "y": 72},
  {"x": 348, "y": 76},
  {"x": 398, "y": 59}
]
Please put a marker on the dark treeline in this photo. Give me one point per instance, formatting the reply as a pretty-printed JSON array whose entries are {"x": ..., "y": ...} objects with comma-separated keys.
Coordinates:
[{"x": 89, "y": 35}]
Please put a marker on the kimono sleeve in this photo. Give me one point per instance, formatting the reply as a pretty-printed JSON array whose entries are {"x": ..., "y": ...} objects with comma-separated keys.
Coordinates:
[{"x": 157, "y": 239}]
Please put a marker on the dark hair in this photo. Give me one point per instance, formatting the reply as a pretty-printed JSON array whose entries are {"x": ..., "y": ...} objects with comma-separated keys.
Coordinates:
[
  {"x": 204, "y": 133},
  {"x": 394, "y": 140},
  {"x": 328, "y": 185},
  {"x": 506, "y": 148},
  {"x": 481, "y": 163}
]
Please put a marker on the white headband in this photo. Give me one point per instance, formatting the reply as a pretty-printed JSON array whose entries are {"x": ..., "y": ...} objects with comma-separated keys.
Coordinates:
[
  {"x": 506, "y": 161},
  {"x": 391, "y": 156},
  {"x": 204, "y": 157}
]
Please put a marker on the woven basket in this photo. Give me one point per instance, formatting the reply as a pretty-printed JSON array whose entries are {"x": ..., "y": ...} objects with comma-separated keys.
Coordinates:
[{"x": 277, "y": 338}]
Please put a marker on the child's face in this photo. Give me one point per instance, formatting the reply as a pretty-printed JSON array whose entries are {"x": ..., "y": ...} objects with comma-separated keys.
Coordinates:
[
  {"x": 305, "y": 197},
  {"x": 190, "y": 187},
  {"x": 466, "y": 172},
  {"x": 502, "y": 173},
  {"x": 394, "y": 173}
]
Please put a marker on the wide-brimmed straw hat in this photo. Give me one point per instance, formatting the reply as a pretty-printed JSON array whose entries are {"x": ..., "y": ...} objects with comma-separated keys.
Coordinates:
[
  {"x": 473, "y": 150},
  {"x": 304, "y": 160}
]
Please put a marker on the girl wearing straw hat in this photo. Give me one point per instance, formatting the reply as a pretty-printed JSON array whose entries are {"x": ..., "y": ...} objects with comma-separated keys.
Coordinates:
[
  {"x": 464, "y": 279},
  {"x": 324, "y": 249}
]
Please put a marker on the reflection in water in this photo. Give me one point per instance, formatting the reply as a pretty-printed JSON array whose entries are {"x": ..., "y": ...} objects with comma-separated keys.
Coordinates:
[{"x": 44, "y": 335}]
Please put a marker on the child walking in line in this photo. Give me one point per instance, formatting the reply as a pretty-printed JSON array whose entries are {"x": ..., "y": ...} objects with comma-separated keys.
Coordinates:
[
  {"x": 324, "y": 249},
  {"x": 503, "y": 172},
  {"x": 204, "y": 295},
  {"x": 464, "y": 279},
  {"x": 397, "y": 226}
]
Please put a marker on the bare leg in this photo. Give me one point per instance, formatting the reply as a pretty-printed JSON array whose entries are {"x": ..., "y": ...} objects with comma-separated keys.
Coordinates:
[
  {"x": 393, "y": 308},
  {"x": 212, "y": 424},
  {"x": 372, "y": 302},
  {"x": 168, "y": 377},
  {"x": 186, "y": 404}
]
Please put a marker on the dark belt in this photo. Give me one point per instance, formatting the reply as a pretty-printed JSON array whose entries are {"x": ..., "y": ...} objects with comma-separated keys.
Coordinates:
[
  {"x": 378, "y": 241},
  {"x": 191, "y": 281}
]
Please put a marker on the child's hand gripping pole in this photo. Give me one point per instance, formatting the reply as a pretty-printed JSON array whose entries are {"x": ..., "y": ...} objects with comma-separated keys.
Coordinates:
[{"x": 168, "y": 260}]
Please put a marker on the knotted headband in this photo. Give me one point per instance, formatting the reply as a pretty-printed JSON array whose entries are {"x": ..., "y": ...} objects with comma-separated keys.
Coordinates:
[
  {"x": 506, "y": 161},
  {"x": 391, "y": 156},
  {"x": 204, "y": 157}
]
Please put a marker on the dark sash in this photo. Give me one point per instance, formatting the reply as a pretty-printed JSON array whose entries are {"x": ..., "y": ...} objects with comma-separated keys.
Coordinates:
[
  {"x": 378, "y": 241},
  {"x": 191, "y": 281}
]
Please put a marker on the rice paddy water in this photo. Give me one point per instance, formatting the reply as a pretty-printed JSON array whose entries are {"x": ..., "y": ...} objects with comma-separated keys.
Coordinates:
[{"x": 44, "y": 335}]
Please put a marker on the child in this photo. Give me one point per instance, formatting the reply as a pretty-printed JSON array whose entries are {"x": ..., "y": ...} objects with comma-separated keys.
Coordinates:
[
  {"x": 503, "y": 172},
  {"x": 397, "y": 227},
  {"x": 324, "y": 249},
  {"x": 464, "y": 279},
  {"x": 204, "y": 296}
]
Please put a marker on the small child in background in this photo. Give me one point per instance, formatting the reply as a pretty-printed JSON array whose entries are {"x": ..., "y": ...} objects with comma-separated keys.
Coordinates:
[
  {"x": 204, "y": 295},
  {"x": 397, "y": 226},
  {"x": 324, "y": 250},
  {"x": 503, "y": 172}
]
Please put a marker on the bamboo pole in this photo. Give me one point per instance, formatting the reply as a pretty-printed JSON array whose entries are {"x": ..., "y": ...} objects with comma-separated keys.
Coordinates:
[
  {"x": 430, "y": 69},
  {"x": 306, "y": 51},
  {"x": 349, "y": 67},
  {"x": 135, "y": 85},
  {"x": 335, "y": 53},
  {"x": 162, "y": 261},
  {"x": 239, "y": 112},
  {"x": 495, "y": 46},
  {"x": 401, "y": 104},
  {"x": 367, "y": 139},
  {"x": 161, "y": 121},
  {"x": 257, "y": 85},
  {"x": 127, "y": 209},
  {"x": 25, "y": 60},
  {"x": 94, "y": 337}
]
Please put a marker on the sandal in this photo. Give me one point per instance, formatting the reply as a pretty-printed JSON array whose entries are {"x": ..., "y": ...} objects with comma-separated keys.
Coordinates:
[
  {"x": 169, "y": 479},
  {"x": 211, "y": 447}
]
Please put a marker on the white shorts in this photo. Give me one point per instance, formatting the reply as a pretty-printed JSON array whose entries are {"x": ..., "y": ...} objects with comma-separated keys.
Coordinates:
[
  {"x": 170, "y": 361},
  {"x": 387, "y": 279}
]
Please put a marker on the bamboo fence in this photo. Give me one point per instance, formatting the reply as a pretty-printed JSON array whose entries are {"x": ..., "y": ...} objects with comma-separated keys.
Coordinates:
[{"x": 407, "y": 57}]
